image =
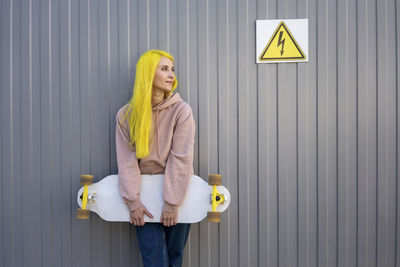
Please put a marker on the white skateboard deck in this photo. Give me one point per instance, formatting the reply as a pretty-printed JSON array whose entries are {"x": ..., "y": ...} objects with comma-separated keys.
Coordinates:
[{"x": 105, "y": 199}]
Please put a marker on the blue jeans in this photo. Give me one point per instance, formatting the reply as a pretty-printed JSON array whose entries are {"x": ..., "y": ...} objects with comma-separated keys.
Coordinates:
[{"x": 162, "y": 246}]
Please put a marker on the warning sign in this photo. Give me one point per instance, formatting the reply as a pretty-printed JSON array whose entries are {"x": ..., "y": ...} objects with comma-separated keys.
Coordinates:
[
  {"x": 282, "y": 46},
  {"x": 286, "y": 42}
]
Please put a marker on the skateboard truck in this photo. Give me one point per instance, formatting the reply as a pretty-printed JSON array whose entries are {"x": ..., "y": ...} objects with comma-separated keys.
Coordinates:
[
  {"x": 90, "y": 198},
  {"x": 216, "y": 198},
  {"x": 83, "y": 213}
]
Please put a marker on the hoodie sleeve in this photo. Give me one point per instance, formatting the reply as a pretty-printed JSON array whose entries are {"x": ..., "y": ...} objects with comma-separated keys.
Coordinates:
[
  {"x": 179, "y": 165},
  {"x": 128, "y": 168}
]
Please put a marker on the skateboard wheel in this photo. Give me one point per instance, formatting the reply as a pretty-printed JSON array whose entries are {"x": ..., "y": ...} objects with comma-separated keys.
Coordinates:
[
  {"x": 214, "y": 216},
  {"x": 214, "y": 179},
  {"x": 82, "y": 214},
  {"x": 86, "y": 179}
]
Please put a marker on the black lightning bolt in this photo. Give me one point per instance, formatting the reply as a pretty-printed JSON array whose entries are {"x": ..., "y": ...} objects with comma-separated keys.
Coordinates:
[{"x": 280, "y": 41}]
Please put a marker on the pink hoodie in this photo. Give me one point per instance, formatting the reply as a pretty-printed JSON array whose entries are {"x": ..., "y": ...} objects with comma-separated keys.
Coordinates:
[{"x": 171, "y": 153}]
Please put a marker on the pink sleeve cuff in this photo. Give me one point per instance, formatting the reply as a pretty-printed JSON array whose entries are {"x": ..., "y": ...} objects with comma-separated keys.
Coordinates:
[
  {"x": 133, "y": 205},
  {"x": 170, "y": 208}
]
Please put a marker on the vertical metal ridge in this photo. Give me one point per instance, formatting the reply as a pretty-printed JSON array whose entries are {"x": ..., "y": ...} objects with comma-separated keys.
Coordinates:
[
  {"x": 30, "y": 86},
  {"x": 196, "y": 22},
  {"x": 263, "y": 227},
  {"x": 377, "y": 136},
  {"x": 326, "y": 129},
  {"x": 70, "y": 91},
  {"x": 41, "y": 144},
  {"x": 386, "y": 112},
  {"x": 57, "y": 140},
  {"x": 278, "y": 172},
  {"x": 297, "y": 162},
  {"x": 247, "y": 137},
  {"x": 307, "y": 152},
  {"x": 70, "y": 103},
  {"x": 69, "y": 51},
  {"x": 108, "y": 84},
  {"x": 237, "y": 123},
  {"x": 367, "y": 122},
  {"x": 30, "y": 115},
  {"x": 356, "y": 137},
  {"x": 346, "y": 256},
  {"x": 50, "y": 69},
  {"x": 317, "y": 130},
  {"x": 246, "y": 82},
  {"x": 337, "y": 129},
  {"x": 397, "y": 257},
  {"x": 168, "y": 42},
  {"x": 127, "y": 29},
  {"x": 386, "y": 133},
  {"x": 11, "y": 88},
  {"x": 50, "y": 120},
  {"x": 228, "y": 123},
  {"x": 148, "y": 23},
  {"x": 189, "y": 89},
  {"x": 346, "y": 136},
  {"x": 89, "y": 88},
  {"x": 243, "y": 133},
  {"x": 2, "y": 198},
  {"x": 308, "y": 115},
  {"x": 109, "y": 38},
  {"x": 19, "y": 149},
  {"x": 207, "y": 61},
  {"x": 207, "y": 74},
  {"x": 11, "y": 99},
  {"x": 228, "y": 127},
  {"x": 367, "y": 132}
]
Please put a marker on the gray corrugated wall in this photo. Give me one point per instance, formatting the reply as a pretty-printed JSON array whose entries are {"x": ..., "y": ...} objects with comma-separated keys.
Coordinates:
[{"x": 309, "y": 151}]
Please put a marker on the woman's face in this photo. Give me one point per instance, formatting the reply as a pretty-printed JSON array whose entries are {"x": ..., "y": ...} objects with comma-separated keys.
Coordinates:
[{"x": 164, "y": 76}]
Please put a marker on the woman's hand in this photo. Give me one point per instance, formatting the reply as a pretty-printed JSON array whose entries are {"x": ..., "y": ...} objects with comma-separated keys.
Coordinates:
[
  {"x": 137, "y": 216},
  {"x": 169, "y": 218}
]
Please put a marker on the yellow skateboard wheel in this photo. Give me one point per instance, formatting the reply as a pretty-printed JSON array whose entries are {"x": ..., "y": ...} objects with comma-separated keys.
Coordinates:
[
  {"x": 214, "y": 179},
  {"x": 82, "y": 214},
  {"x": 214, "y": 216},
  {"x": 86, "y": 179}
]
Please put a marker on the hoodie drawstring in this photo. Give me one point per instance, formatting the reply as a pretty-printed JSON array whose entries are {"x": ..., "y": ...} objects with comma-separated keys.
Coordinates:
[{"x": 158, "y": 144}]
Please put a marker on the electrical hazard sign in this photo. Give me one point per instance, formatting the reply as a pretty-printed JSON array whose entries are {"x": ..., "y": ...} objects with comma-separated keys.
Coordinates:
[
  {"x": 282, "y": 41},
  {"x": 282, "y": 46}
]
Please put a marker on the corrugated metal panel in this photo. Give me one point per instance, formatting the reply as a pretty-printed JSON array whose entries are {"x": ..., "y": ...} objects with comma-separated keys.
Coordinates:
[{"x": 309, "y": 151}]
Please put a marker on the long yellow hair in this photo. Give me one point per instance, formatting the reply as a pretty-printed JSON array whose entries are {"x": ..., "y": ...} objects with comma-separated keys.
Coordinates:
[{"x": 139, "y": 111}]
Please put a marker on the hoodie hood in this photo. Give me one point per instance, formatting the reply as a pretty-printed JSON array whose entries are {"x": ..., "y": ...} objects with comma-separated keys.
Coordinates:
[{"x": 167, "y": 102}]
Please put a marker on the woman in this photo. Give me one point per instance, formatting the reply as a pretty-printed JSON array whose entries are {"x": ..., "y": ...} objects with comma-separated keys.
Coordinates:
[{"x": 155, "y": 135}]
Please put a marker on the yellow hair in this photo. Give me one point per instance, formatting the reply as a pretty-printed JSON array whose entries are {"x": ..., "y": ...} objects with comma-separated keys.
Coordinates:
[{"x": 139, "y": 110}]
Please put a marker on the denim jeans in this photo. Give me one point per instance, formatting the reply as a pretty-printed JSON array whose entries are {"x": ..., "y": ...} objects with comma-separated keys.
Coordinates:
[{"x": 162, "y": 246}]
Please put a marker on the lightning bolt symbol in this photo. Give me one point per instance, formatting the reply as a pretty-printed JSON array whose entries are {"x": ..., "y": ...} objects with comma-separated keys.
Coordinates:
[{"x": 281, "y": 42}]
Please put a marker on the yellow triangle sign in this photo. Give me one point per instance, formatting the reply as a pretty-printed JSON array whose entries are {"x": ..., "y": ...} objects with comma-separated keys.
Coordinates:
[{"x": 282, "y": 46}]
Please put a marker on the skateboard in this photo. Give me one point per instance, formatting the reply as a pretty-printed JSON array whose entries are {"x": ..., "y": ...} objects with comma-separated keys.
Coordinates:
[{"x": 201, "y": 199}]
